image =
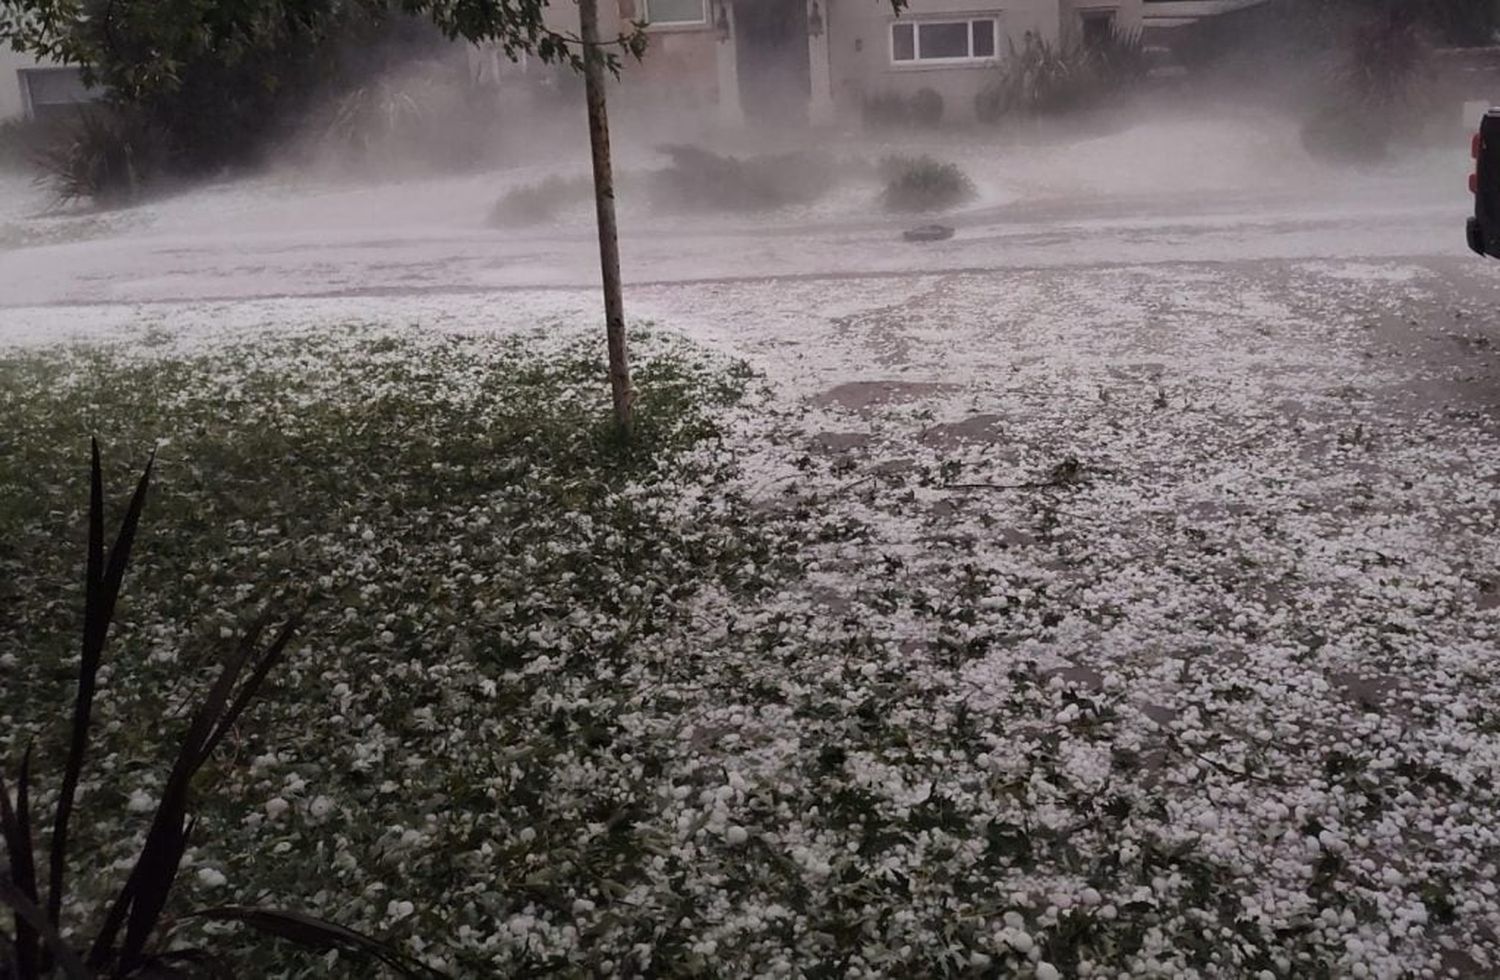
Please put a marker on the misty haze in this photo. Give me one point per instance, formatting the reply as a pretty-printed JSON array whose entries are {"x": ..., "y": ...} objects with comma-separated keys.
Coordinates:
[{"x": 1024, "y": 503}]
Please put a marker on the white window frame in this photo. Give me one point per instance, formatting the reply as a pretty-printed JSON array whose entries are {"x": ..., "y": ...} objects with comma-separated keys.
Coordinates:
[
  {"x": 671, "y": 25},
  {"x": 968, "y": 20},
  {"x": 29, "y": 104}
]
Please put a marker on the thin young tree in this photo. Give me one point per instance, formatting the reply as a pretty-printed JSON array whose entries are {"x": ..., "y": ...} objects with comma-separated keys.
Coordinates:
[{"x": 594, "y": 81}]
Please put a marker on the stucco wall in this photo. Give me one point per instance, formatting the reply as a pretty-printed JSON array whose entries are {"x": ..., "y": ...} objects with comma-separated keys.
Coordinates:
[
  {"x": 860, "y": 50},
  {"x": 861, "y": 57},
  {"x": 679, "y": 68}
]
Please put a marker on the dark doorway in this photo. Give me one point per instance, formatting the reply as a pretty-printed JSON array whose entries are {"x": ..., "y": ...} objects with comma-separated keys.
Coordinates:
[
  {"x": 1098, "y": 28},
  {"x": 771, "y": 50}
]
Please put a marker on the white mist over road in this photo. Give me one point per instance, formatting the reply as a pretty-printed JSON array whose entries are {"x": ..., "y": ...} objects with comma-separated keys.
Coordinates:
[{"x": 1206, "y": 190}]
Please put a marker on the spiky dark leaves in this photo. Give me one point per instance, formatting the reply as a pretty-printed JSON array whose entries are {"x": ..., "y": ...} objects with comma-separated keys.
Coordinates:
[
  {"x": 314, "y": 933},
  {"x": 101, "y": 591}
]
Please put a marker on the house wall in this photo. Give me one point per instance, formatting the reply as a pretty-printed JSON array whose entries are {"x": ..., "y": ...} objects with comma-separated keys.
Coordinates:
[
  {"x": 675, "y": 56},
  {"x": 860, "y": 46},
  {"x": 679, "y": 69},
  {"x": 687, "y": 68},
  {"x": 56, "y": 90},
  {"x": 11, "y": 103}
]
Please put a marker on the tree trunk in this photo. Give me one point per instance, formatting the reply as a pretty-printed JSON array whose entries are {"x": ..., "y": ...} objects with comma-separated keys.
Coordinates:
[{"x": 604, "y": 200}]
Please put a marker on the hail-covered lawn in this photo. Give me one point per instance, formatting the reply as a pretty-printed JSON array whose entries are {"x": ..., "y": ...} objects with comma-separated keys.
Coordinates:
[
  {"x": 479, "y": 726},
  {"x": 1111, "y": 622}
]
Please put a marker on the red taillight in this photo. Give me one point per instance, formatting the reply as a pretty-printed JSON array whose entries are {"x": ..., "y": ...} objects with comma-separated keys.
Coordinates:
[
  {"x": 1473, "y": 183},
  {"x": 1476, "y": 145}
]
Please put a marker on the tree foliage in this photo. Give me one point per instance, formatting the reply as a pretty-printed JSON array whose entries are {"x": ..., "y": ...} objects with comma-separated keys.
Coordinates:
[
  {"x": 216, "y": 76},
  {"x": 1460, "y": 22},
  {"x": 141, "y": 47}
]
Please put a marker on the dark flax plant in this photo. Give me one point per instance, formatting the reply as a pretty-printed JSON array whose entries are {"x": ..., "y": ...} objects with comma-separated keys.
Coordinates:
[{"x": 129, "y": 941}]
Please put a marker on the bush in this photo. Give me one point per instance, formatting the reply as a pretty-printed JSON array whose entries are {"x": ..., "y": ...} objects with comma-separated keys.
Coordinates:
[
  {"x": 1382, "y": 58},
  {"x": 702, "y": 181},
  {"x": 1037, "y": 79},
  {"x": 924, "y": 184},
  {"x": 109, "y": 156},
  {"x": 425, "y": 119},
  {"x": 535, "y": 203},
  {"x": 1042, "y": 78},
  {"x": 886, "y": 110},
  {"x": 1369, "y": 87},
  {"x": 926, "y": 107}
]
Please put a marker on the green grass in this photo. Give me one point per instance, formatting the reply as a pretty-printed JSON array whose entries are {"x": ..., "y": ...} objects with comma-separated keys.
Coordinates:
[{"x": 454, "y": 512}]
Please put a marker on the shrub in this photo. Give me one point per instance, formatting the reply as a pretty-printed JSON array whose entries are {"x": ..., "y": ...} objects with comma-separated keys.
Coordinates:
[
  {"x": 110, "y": 156},
  {"x": 703, "y": 181},
  {"x": 1042, "y": 78},
  {"x": 424, "y": 119},
  {"x": 1368, "y": 87},
  {"x": 1038, "y": 78},
  {"x": 924, "y": 184},
  {"x": 535, "y": 203},
  {"x": 370, "y": 119},
  {"x": 926, "y": 107},
  {"x": 1381, "y": 60},
  {"x": 886, "y": 110}
]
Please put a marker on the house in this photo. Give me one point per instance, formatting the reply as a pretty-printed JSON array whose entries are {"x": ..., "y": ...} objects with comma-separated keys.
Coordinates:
[
  {"x": 819, "y": 61},
  {"x": 34, "y": 90},
  {"x": 812, "y": 61}
]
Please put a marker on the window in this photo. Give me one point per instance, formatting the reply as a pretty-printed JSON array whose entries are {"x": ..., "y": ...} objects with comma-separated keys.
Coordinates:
[
  {"x": 51, "y": 91},
  {"x": 675, "y": 12},
  {"x": 943, "y": 40}
]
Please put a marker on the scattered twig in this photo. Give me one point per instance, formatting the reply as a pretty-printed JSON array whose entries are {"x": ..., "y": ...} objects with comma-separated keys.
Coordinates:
[
  {"x": 856, "y": 483},
  {"x": 1068, "y": 473},
  {"x": 1035, "y": 485},
  {"x": 1226, "y": 769}
]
